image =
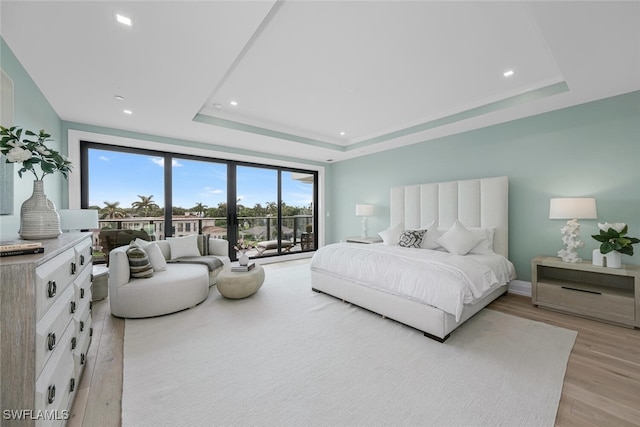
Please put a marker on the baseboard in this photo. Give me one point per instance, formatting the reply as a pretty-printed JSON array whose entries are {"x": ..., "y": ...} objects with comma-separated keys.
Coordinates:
[{"x": 520, "y": 287}]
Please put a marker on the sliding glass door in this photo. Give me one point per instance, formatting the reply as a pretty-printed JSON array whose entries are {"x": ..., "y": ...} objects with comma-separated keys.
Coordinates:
[
  {"x": 158, "y": 195},
  {"x": 274, "y": 210},
  {"x": 198, "y": 198}
]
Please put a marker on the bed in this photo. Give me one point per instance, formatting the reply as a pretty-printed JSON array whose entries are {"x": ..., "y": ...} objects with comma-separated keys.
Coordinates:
[{"x": 418, "y": 282}]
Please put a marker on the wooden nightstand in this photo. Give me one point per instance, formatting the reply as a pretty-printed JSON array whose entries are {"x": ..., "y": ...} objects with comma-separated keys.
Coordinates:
[
  {"x": 611, "y": 295},
  {"x": 366, "y": 240}
]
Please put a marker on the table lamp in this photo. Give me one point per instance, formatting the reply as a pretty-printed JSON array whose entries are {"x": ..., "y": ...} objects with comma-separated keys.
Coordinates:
[
  {"x": 572, "y": 209},
  {"x": 364, "y": 211}
]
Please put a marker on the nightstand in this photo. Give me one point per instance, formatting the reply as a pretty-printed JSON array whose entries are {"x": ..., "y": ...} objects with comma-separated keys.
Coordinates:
[
  {"x": 366, "y": 240},
  {"x": 611, "y": 295}
]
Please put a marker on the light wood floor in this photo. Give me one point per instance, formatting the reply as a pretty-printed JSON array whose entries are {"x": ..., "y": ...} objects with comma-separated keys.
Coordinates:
[{"x": 601, "y": 386}]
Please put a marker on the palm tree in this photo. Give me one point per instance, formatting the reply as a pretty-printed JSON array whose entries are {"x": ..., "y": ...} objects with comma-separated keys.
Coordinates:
[
  {"x": 112, "y": 210},
  {"x": 144, "y": 204},
  {"x": 199, "y": 208}
]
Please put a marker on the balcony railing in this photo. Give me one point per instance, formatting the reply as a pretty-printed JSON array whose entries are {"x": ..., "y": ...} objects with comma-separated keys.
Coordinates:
[{"x": 296, "y": 230}]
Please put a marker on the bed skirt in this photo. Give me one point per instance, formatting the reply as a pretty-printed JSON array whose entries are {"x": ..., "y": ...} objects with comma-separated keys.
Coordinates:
[{"x": 432, "y": 321}]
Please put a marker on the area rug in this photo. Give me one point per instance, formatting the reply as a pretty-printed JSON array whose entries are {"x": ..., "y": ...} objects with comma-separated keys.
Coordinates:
[{"x": 288, "y": 356}]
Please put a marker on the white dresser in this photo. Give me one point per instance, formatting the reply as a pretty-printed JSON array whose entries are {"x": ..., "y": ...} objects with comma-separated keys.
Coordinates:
[{"x": 45, "y": 330}]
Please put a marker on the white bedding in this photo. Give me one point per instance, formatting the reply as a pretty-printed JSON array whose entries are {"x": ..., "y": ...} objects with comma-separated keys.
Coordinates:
[{"x": 437, "y": 278}]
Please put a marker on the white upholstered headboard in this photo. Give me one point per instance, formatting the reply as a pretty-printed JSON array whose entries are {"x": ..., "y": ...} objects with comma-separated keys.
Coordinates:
[{"x": 475, "y": 202}]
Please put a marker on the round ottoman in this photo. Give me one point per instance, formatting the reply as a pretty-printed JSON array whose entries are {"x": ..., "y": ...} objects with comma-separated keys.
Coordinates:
[{"x": 237, "y": 285}]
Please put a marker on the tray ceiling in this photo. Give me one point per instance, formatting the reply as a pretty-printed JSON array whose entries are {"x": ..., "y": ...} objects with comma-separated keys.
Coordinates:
[{"x": 321, "y": 81}]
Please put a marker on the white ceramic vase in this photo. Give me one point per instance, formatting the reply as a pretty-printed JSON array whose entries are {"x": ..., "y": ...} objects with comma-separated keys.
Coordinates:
[
  {"x": 243, "y": 259},
  {"x": 612, "y": 260},
  {"x": 38, "y": 216}
]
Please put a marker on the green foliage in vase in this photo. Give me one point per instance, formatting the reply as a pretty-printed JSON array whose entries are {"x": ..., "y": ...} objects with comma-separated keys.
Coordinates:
[
  {"x": 31, "y": 152},
  {"x": 613, "y": 237}
]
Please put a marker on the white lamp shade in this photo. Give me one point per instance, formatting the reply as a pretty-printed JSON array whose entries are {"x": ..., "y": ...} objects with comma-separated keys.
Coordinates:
[
  {"x": 573, "y": 208},
  {"x": 364, "y": 210},
  {"x": 78, "y": 219}
]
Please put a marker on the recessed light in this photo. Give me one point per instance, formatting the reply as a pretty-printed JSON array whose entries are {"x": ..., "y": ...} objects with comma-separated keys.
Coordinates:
[
  {"x": 123, "y": 20},
  {"x": 217, "y": 106},
  {"x": 508, "y": 73},
  {"x": 234, "y": 103},
  {"x": 119, "y": 97},
  {"x": 343, "y": 133},
  {"x": 128, "y": 111}
]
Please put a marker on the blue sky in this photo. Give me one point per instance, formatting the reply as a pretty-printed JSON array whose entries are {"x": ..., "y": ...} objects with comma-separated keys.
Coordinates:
[{"x": 121, "y": 177}]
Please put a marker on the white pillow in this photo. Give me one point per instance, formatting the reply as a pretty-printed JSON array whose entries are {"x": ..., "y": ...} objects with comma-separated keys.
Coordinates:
[
  {"x": 458, "y": 239},
  {"x": 485, "y": 247},
  {"x": 430, "y": 237},
  {"x": 391, "y": 235},
  {"x": 155, "y": 254},
  {"x": 184, "y": 246}
]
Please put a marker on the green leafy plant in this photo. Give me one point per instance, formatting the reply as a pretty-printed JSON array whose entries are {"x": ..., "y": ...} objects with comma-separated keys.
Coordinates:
[
  {"x": 31, "y": 152},
  {"x": 613, "y": 237}
]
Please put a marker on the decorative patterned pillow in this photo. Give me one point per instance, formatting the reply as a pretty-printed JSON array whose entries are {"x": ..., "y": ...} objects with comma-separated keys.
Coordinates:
[
  {"x": 139, "y": 265},
  {"x": 203, "y": 244},
  {"x": 411, "y": 238}
]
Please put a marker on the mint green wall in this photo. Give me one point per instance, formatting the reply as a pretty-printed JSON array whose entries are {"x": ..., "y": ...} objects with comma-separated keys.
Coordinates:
[
  {"x": 588, "y": 150},
  {"x": 31, "y": 111}
]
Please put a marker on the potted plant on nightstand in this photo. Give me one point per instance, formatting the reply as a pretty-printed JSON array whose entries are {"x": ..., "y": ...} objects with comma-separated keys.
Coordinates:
[{"x": 614, "y": 242}]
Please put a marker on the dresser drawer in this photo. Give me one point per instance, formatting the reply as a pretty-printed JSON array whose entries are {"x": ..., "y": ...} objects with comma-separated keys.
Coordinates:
[
  {"x": 57, "y": 382},
  {"x": 82, "y": 255},
  {"x": 590, "y": 300},
  {"x": 80, "y": 353},
  {"x": 52, "y": 279},
  {"x": 82, "y": 285},
  {"x": 51, "y": 328}
]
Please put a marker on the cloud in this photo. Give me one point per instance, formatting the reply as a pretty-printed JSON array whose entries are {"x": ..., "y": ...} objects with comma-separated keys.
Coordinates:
[
  {"x": 160, "y": 162},
  {"x": 210, "y": 190}
]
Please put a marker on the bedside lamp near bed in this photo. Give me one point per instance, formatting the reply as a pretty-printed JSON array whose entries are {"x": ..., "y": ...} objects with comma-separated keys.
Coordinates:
[
  {"x": 572, "y": 209},
  {"x": 364, "y": 211}
]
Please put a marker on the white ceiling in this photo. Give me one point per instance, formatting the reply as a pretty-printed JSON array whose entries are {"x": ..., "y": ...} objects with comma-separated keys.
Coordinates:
[{"x": 386, "y": 73}]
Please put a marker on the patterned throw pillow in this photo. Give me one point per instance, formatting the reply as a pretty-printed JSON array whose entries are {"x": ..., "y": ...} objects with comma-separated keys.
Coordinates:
[
  {"x": 411, "y": 238},
  {"x": 203, "y": 244},
  {"x": 139, "y": 265}
]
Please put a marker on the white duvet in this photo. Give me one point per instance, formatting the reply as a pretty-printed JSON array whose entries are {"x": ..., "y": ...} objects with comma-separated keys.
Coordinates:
[{"x": 437, "y": 278}]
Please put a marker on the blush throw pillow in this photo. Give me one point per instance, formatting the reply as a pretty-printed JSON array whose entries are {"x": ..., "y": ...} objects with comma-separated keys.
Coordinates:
[
  {"x": 139, "y": 265},
  {"x": 184, "y": 246},
  {"x": 458, "y": 239}
]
